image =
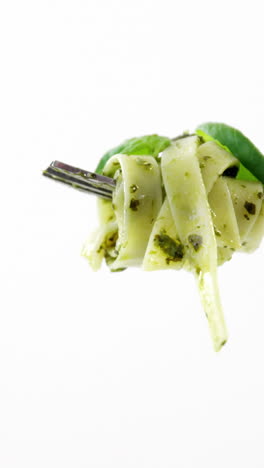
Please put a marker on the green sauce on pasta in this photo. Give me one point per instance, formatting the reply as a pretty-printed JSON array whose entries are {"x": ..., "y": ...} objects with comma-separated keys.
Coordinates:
[{"x": 183, "y": 209}]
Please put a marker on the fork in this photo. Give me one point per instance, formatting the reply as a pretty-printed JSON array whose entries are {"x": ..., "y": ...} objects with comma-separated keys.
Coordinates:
[{"x": 80, "y": 179}]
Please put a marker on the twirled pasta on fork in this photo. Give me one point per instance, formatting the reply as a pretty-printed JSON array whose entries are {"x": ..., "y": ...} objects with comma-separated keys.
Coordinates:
[
  {"x": 190, "y": 202},
  {"x": 184, "y": 209}
]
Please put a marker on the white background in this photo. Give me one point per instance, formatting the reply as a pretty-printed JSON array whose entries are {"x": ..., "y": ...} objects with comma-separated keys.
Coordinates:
[{"x": 117, "y": 370}]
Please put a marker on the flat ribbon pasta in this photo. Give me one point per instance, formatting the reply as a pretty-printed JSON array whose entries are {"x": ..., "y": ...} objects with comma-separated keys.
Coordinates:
[
  {"x": 190, "y": 210},
  {"x": 136, "y": 202},
  {"x": 185, "y": 210}
]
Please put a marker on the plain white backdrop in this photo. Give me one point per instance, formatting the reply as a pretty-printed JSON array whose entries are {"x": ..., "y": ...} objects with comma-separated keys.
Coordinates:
[{"x": 89, "y": 378}]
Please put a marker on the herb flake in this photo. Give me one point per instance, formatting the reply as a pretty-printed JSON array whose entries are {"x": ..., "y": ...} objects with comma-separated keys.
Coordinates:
[
  {"x": 134, "y": 203},
  {"x": 250, "y": 207},
  {"x": 172, "y": 248},
  {"x": 133, "y": 188},
  {"x": 196, "y": 241}
]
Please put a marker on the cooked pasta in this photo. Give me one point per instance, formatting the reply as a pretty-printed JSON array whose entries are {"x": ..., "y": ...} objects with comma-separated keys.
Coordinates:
[{"x": 184, "y": 209}]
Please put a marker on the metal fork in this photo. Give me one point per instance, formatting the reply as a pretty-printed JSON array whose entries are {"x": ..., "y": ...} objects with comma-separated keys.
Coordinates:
[
  {"x": 84, "y": 180},
  {"x": 80, "y": 179}
]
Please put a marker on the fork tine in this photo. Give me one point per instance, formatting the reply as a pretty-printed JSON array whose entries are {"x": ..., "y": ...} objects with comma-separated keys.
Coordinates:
[
  {"x": 80, "y": 179},
  {"x": 75, "y": 185},
  {"x": 92, "y": 177}
]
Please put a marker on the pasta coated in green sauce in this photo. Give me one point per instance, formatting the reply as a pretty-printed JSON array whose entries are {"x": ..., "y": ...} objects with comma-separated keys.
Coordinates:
[{"x": 182, "y": 210}]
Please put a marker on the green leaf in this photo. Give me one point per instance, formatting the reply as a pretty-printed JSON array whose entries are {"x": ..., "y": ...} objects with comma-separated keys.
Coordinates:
[
  {"x": 245, "y": 174},
  {"x": 251, "y": 159},
  {"x": 206, "y": 137},
  {"x": 150, "y": 145}
]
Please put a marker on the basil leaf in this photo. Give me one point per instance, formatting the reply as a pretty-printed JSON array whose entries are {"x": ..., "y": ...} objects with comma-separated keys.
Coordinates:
[
  {"x": 150, "y": 145},
  {"x": 251, "y": 159}
]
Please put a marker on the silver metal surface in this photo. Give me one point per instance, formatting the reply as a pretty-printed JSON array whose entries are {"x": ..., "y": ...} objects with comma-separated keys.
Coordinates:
[{"x": 80, "y": 179}]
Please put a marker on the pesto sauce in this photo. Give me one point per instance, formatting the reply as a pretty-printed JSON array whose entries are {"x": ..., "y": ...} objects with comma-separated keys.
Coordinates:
[
  {"x": 134, "y": 204},
  {"x": 172, "y": 248},
  {"x": 147, "y": 165},
  {"x": 217, "y": 232},
  {"x": 108, "y": 247},
  {"x": 250, "y": 207},
  {"x": 133, "y": 188},
  {"x": 196, "y": 241}
]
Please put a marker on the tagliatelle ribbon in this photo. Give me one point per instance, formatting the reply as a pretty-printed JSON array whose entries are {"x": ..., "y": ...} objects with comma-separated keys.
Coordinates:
[{"x": 186, "y": 212}]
